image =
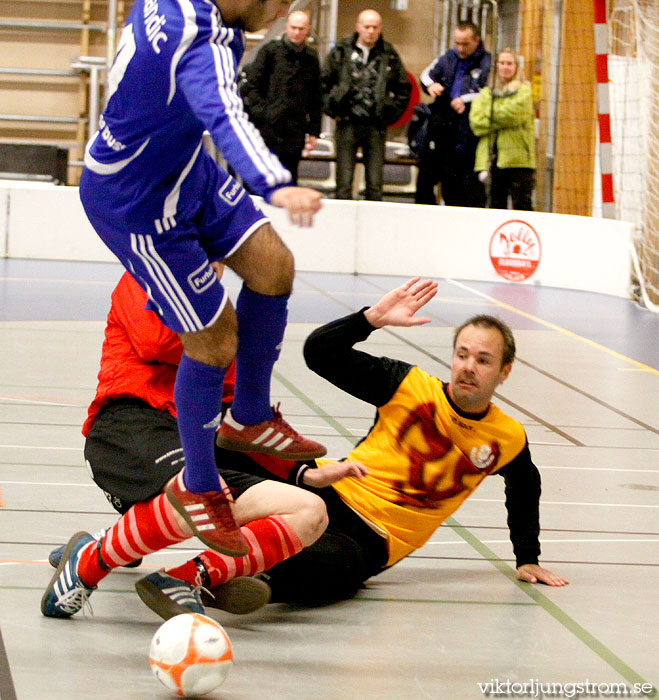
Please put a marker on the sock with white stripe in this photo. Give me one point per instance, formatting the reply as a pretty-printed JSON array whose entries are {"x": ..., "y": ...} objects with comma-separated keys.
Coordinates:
[
  {"x": 270, "y": 540},
  {"x": 261, "y": 325},
  {"x": 198, "y": 398},
  {"x": 145, "y": 528}
]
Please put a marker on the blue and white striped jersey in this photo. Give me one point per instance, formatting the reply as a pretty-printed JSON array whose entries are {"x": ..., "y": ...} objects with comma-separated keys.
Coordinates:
[{"x": 174, "y": 76}]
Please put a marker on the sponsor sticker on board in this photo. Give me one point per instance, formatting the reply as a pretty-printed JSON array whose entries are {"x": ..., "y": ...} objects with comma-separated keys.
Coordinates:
[{"x": 515, "y": 250}]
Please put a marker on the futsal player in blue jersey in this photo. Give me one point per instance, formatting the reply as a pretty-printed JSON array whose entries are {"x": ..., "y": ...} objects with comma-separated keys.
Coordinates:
[{"x": 167, "y": 210}]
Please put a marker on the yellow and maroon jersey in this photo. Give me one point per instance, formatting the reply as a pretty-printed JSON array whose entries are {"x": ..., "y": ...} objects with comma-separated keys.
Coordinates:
[
  {"x": 424, "y": 459},
  {"x": 425, "y": 456}
]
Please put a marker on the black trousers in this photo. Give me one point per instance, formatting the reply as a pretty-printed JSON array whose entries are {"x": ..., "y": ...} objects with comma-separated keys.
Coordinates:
[
  {"x": 516, "y": 183},
  {"x": 460, "y": 186},
  {"x": 349, "y": 137},
  {"x": 337, "y": 564}
]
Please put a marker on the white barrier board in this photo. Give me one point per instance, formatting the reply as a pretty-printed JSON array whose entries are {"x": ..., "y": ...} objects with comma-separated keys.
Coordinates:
[{"x": 573, "y": 252}]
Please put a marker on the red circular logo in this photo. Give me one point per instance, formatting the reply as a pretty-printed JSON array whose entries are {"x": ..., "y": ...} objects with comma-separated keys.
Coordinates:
[{"x": 515, "y": 250}]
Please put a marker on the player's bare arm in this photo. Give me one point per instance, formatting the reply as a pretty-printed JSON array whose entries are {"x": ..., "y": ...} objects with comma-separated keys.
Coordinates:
[{"x": 399, "y": 306}]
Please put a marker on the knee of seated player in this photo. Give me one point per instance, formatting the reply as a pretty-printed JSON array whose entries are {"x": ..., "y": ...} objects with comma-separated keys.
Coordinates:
[
  {"x": 311, "y": 520},
  {"x": 215, "y": 345},
  {"x": 302, "y": 510},
  {"x": 264, "y": 263}
]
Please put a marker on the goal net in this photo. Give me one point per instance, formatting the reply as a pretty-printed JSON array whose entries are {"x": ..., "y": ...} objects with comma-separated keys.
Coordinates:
[{"x": 634, "y": 93}]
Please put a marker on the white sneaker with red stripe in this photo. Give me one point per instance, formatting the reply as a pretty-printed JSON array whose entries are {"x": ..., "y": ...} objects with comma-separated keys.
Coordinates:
[{"x": 272, "y": 437}]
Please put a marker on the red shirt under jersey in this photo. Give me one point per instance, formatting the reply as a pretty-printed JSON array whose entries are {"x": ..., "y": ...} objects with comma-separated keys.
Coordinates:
[{"x": 140, "y": 355}]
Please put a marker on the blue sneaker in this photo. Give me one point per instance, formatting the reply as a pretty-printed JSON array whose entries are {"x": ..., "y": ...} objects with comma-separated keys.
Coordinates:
[
  {"x": 168, "y": 596},
  {"x": 66, "y": 593},
  {"x": 55, "y": 557}
]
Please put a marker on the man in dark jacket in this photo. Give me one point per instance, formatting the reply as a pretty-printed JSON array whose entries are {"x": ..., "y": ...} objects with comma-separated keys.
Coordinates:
[
  {"x": 454, "y": 79},
  {"x": 281, "y": 90},
  {"x": 365, "y": 88}
]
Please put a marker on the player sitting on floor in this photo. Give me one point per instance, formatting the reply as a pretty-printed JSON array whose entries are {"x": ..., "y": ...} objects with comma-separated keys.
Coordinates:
[{"x": 431, "y": 445}]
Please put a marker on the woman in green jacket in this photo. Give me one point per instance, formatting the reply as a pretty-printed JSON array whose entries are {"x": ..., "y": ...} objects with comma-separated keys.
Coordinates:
[{"x": 507, "y": 135}]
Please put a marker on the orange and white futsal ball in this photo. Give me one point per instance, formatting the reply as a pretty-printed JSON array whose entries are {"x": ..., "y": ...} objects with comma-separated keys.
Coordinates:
[{"x": 191, "y": 654}]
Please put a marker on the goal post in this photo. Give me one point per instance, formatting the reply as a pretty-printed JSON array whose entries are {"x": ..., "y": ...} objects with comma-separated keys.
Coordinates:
[{"x": 634, "y": 86}]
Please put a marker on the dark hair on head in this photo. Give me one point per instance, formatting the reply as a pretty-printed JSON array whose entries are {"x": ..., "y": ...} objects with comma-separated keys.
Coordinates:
[
  {"x": 468, "y": 24},
  {"x": 486, "y": 321}
]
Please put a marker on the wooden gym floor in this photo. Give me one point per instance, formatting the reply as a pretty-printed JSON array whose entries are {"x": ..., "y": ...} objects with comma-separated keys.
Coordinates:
[{"x": 448, "y": 618}]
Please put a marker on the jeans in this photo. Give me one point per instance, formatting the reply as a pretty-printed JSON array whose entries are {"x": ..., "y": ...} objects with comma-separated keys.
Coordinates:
[{"x": 349, "y": 137}]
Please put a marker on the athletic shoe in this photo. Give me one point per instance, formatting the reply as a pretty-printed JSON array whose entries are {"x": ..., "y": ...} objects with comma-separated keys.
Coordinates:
[
  {"x": 66, "y": 593},
  {"x": 272, "y": 437},
  {"x": 239, "y": 596},
  {"x": 209, "y": 516},
  {"x": 168, "y": 596}
]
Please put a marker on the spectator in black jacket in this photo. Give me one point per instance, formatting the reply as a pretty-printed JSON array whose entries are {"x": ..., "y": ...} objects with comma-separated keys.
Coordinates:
[
  {"x": 281, "y": 90},
  {"x": 365, "y": 88},
  {"x": 454, "y": 80}
]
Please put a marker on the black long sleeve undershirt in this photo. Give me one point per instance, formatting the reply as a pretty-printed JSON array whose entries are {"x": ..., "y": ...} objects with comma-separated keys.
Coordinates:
[{"x": 329, "y": 352}]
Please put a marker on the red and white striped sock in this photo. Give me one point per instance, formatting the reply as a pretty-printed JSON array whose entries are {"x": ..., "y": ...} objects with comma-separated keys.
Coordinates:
[
  {"x": 270, "y": 540},
  {"x": 145, "y": 528}
]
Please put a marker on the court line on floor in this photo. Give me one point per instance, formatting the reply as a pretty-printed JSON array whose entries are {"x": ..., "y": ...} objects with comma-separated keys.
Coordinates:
[
  {"x": 7, "y": 400},
  {"x": 599, "y": 469},
  {"x": 42, "y": 447},
  {"x": 574, "y": 503},
  {"x": 590, "y": 562},
  {"x": 597, "y": 647},
  {"x": 589, "y": 396},
  {"x": 569, "y": 623},
  {"x": 554, "y": 327}
]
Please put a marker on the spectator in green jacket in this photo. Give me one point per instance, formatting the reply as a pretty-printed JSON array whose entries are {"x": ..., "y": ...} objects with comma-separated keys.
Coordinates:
[{"x": 505, "y": 125}]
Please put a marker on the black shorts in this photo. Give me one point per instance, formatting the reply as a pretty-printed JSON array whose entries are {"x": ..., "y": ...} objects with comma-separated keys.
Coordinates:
[
  {"x": 336, "y": 565},
  {"x": 132, "y": 450}
]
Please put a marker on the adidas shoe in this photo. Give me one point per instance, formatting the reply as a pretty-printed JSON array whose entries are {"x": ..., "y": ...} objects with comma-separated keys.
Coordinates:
[
  {"x": 66, "y": 593},
  {"x": 209, "y": 516},
  {"x": 272, "y": 437},
  {"x": 168, "y": 596},
  {"x": 239, "y": 596}
]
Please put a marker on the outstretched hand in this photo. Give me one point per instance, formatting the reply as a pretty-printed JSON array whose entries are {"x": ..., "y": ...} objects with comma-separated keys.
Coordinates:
[
  {"x": 532, "y": 573},
  {"x": 331, "y": 472},
  {"x": 397, "y": 307}
]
